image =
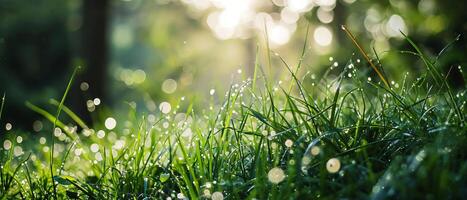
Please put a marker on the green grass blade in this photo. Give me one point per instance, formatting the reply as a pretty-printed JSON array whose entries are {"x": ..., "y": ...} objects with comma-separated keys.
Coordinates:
[
  {"x": 70, "y": 113},
  {"x": 59, "y": 109}
]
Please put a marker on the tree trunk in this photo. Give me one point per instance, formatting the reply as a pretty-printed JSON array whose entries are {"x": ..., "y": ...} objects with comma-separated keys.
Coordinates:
[{"x": 94, "y": 51}]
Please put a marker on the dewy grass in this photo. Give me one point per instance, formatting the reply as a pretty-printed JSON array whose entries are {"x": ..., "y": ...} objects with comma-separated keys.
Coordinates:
[
  {"x": 52, "y": 136},
  {"x": 328, "y": 137},
  {"x": 364, "y": 54}
]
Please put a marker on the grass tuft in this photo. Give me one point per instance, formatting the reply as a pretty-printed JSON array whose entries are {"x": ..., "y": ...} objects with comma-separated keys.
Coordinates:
[{"x": 326, "y": 137}]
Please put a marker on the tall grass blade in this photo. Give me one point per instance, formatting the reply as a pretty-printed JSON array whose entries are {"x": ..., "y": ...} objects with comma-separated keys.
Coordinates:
[
  {"x": 365, "y": 55},
  {"x": 55, "y": 123}
]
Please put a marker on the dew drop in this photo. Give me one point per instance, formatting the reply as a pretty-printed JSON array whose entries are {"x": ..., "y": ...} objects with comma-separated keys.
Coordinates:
[
  {"x": 306, "y": 160},
  {"x": 110, "y": 123},
  {"x": 98, "y": 156},
  {"x": 288, "y": 143},
  {"x": 57, "y": 132},
  {"x": 207, "y": 193},
  {"x": 42, "y": 140},
  {"x": 165, "y": 107},
  {"x": 315, "y": 151},
  {"x": 97, "y": 101},
  {"x": 94, "y": 147},
  {"x": 8, "y": 126},
  {"x": 19, "y": 139},
  {"x": 169, "y": 86},
  {"x": 276, "y": 175},
  {"x": 37, "y": 125},
  {"x": 7, "y": 144},
  {"x": 84, "y": 86},
  {"x": 333, "y": 165},
  {"x": 17, "y": 151},
  {"x": 100, "y": 134},
  {"x": 217, "y": 196},
  {"x": 78, "y": 152},
  {"x": 180, "y": 196}
]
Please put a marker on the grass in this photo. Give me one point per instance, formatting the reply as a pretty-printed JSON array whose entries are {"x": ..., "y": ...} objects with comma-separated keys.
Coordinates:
[{"x": 322, "y": 136}]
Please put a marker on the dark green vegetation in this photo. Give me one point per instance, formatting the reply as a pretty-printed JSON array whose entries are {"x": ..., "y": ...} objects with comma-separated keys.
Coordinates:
[{"x": 406, "y": 139}]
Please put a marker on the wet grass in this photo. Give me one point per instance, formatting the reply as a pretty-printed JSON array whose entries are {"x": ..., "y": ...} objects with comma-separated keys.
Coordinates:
[{"x": 341, "y": 134}]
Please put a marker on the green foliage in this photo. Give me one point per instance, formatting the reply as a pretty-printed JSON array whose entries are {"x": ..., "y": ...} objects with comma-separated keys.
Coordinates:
[{"x": 404, "y": 141}]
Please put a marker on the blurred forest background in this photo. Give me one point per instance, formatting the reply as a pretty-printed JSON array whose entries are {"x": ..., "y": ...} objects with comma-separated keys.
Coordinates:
[{"x": 153, "y": 51}]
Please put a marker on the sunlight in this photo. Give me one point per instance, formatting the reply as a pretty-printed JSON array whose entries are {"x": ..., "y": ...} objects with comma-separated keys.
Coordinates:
[
  {"x": 328, "y": 3},
  {"x": 300, "y": 5},
  {"x": 279, "y": 34},
  {"x": 232, "y": 99},
  {"x": 325, "y": 16},
  {"x": 394, "y": 25},
  {"x": 241, "y": 19},
  {"x": 322, "y": 36}
]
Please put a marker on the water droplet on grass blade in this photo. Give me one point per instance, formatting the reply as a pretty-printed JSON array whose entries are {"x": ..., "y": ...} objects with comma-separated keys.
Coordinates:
[
  {"x": 57, "y": 132},
  {"x": 42, "y": 140},
  {"x": 165, "y": 107},
  {"x": 110, "y": 123},
  {"x": 180, "y": 196},
  {"x": 288, "y": 143},
  {"x": 315, "y": 151},
  {"x": 19, "y": 139},
  {"x": 169, "y": 86},
  {"x": 217, "y": 196},
  {"x": 98, "y": 156},
  {"x": 78, "y": 152},
  {"x": 94, "y": 147},
  {"x": 18, "y": 151},
  {"x": 164, "y": 177},
  {"x": 207, "y": 193},
  {"x": 7, "y": 144},
  {"x": 97, "y": 101},
  {"x": 8, "y": 126},
  {"x": 333, "y": 165},
  {"x": 276, "y": 175},
  {"x": 100, "y": 134},
  {"x": 306, "y": 160},
  {"x": 84, "y": 86},
  {"x": 37, "y": 126}
]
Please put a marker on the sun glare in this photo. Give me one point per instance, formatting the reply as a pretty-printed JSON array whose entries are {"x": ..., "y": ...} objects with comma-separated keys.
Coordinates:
[{"x": 229, "y": 19}]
